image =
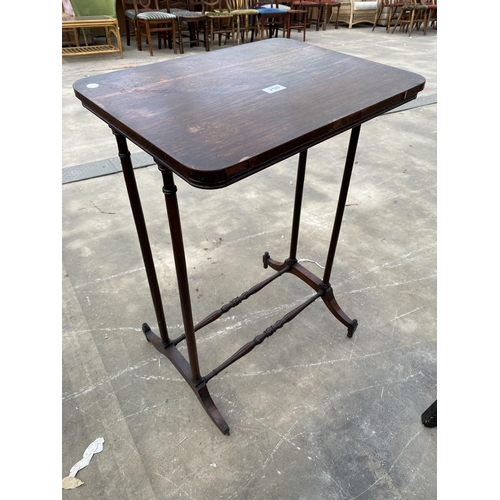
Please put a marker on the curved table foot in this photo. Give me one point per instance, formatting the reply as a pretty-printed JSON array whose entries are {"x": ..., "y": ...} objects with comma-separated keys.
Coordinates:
[
  {"x": 351, "y": 329},
  {"x": 317, "y": 284},
  {"x": 199, "y": 387},
  {"x": 332, "y": 304}
]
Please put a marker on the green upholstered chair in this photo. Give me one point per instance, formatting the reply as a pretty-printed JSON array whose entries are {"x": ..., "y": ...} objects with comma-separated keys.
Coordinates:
[
  {"x": 83, "y": 8},
  {"x": 94, "y": 7}
]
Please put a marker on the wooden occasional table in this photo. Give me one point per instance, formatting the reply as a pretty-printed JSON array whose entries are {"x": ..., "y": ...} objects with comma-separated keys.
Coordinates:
[
  {"x": 110, "y": 25},
  {"x": 163, "y": 109}
]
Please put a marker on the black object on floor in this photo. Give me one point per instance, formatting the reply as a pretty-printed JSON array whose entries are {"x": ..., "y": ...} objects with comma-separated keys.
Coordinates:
[{"x": 429, "y": 417}]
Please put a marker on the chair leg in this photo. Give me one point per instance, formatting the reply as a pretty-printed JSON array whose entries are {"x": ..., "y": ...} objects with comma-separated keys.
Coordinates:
[
  {"x": 412, "y": 20},
  {"x": 398, "y": 21},
  {"x": 179, "y": 39},
  {"x": 377, "y": 15},
  {"x": 392, "y": 10},
  {"x": 148, "y": 39},
  {"x": 174, "y": 35},
  {"x": 211, "y": 32},
  {"x": 238, "y": 32},
  {"x": 127, "y": 32},
  {"x": 426, "y": 21},
  {"x": 138, "y": 37}
]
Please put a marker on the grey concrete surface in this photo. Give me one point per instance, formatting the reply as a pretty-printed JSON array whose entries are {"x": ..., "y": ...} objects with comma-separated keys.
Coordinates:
[{"x": 313, "y": 414}]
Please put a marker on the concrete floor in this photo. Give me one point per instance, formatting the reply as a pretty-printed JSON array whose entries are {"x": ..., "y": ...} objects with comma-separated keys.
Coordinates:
[{"x": 313, "y": 414}]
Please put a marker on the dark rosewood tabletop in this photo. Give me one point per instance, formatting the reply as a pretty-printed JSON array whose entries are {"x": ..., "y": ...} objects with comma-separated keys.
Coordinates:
[{"x": 218, "y": 117}]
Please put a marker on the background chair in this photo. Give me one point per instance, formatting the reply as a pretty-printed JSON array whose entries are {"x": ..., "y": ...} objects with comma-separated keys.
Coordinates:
[
  {"x": 412, "y": 14},
  {"x": 189, "y": 21},
  {"x": 298, "y": 19},
  {"x": 431, "y": 20},
  {"x": 149, "y": 20},
  {"x": 330, "y": 10},
  {"x": 70, "y": 35},
  {"x": 146, "y": 18},
  {"x": 271, "y": 18},
  {"x": 94, "y": 7},
  {"x": 313, "y": 8},
  {"x": 386, "y": 12},
  {"x": 129, "y": 13},
  {"x": 246, "y": 19},
  {"x": 358, "y": 11},
  {"x": 83, "y": 8},
  {"x": 218, "y": 21}
]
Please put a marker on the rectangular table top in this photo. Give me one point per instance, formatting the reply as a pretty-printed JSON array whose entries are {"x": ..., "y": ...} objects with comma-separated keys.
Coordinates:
[{"x": 218, "y": 117}]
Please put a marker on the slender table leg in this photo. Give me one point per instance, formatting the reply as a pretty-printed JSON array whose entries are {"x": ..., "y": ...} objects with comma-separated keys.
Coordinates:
[
  {"x": 329, "y": 298},
  {"x": 299, "y": 190},
  {"x": 142, "y": 233},
  {"x": 339, "y": 214},
  {"x": 297, "y": 269},
  {"x": 190, "y": 371},
  {"x": 288, "y": 264},
  {"x": 170, "y": 189}
]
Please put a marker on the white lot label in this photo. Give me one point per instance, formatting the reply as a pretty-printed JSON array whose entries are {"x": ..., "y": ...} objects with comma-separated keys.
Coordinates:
[{"x": 274, "y": 88}]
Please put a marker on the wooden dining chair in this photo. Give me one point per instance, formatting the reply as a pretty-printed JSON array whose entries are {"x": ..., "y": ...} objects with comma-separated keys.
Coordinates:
[
  {"x": 386, "y": 12},
  {"x": 272, "y": 17},
  {"x": 298, "y": 19},
  {"x": 431, "y": 18},
  {"x": 188, "y": 21},
  {"x": 148, "y": 19},
  {"x": 246, "y": 19},
  {"x": 129, "y": 13},
  {"x": 219, "y": 22},
  {"x": 313, "y": 8},
  {"x": 412, "y": 15},
  {"x": 330, "y": 10}
]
